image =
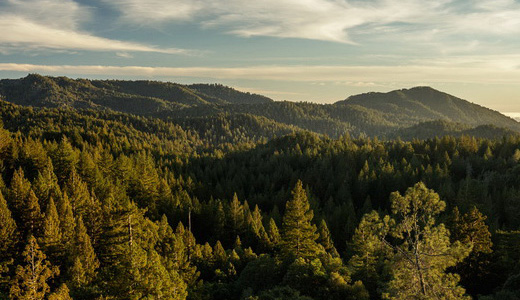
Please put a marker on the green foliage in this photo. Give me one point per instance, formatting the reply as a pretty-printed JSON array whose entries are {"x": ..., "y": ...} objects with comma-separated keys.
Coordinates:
[
  {"x": 85, "y": 262},
  {"x": 371, "y": 260},
  {"x": 281, "y": 293},
  {"x": 7, "y": 230},
  {"x": 30, "y": 281},
  {"x": 423, "y": 250},
  {"x": 475, "y": 270},
  {"x": 325, "y": 239},
  {"x": 51, "y": 239},
  {"x": 299, "y": 234},
  {"x": 111, "y": 186},
  {"x": 62, "y": 293}
]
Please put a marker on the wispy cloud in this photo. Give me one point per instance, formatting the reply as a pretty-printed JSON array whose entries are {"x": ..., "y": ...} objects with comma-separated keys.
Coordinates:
[
  {"x": 31, "y": 25},
  {"x": 333, "y": 20},
  {"x": 376, "y": 75}
]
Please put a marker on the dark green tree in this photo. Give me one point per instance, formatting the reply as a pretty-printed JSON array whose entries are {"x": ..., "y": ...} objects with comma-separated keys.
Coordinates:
[
  {"x": 474, "y": 270},
  {"x": 326, "y": 240}
]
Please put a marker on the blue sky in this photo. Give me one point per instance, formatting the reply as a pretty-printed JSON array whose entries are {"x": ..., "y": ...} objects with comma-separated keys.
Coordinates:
[{"x": 300, "y": 50}]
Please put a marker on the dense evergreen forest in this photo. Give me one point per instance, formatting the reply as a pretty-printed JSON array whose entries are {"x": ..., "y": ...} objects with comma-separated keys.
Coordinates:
[{"x": 102, "y": 204}]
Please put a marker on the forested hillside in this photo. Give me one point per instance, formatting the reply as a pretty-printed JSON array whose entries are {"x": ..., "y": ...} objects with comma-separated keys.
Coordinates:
[
  {"x": 385, "y": 115},
  {"x": 100, "y": 204}
]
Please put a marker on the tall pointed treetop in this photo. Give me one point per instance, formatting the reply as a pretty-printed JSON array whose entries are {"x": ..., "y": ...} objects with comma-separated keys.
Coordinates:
[{"x": 298, "y": 233}]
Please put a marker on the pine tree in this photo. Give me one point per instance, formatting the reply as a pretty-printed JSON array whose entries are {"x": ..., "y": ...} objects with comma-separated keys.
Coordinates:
[
  {"x": 187, "y": 238},
  {"x": 424, "y": 250},
  {"x": 64, "y": 159},
  {"x": 66, "y": 217},
  {"x": 18, "y": 193},
  {"x": 76, "y": 273},
  {"x": 5, "y": 142},
  {"x": 46, "y": 185},
  {"x": 219, "y": 254},
  {"x": 155, "y": 282},
  {"x": 30, "y": 281},
  {"x": 132, "y": 266},
  {"x": 236, "y": 217},
  {"x": 471, "y": 229},
  {"x": 78, "y": 193},
  {"x": 256, "y": 221},
  {"x": 326, "y": 240},
  {"x": 8, "y": 238},
  {"x": 62, "y": 293},
  {"x": 84, "y": 204},
  {"x": 51, "y": 238},
  {"x": 370, "y": 262},
  {"x": 7, "y": 229},
  {"x": 220, "y": 220},
  {"x": 84, "y": 255},
  {"x": 298, "y": 233},
  {"x": 174, "y": 253},
  {"x": 273, "y": 233},
  {"x": 31, "y": 215}
]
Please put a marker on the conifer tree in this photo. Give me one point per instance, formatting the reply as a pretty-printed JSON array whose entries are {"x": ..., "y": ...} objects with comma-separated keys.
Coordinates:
[
  {"x": 18, "y": 193},
  {"x": 219, "y": 254},
  {"x": 423, "y": 251},
  {"x": 31, "y": 215},
  {"x": 31, "y": 279},
  {"x": 236, "y": 216},
  {"x": 7, "y": 229},
  {"x": 84, "y": 255},
  {"x": 9, "y": 239},
  {"x": 298, "y": 233},
  {"x": 62, "y": 293},
  {"x": 174, "y": 253},
  {"x": 273, "y": 233},
  {"x": 256, "y": 221},
  {"x": 155, "y": 282},
  {"x": 51, "y": 237},
  {"x": 46, "y": 184},
  {"x": 64, "y": 159},
  {"x": 370, "y": 262},
  {"x": 79, "y": 195},
  {"x": 237, "y": 245},
  {"x": 5, "y": 142},
  {"x": 187, "y": 238},
  {"x": 326, "y": 240},
  {"x": 66, "y": 217},
  {"x": 471, "y": 229},
  {"x": 207, "y": 254},
  {"x": 220, "y": 219}
]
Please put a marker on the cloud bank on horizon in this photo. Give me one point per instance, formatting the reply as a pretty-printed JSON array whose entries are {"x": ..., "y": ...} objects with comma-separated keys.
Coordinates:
[{"x": 362, "y": 44}]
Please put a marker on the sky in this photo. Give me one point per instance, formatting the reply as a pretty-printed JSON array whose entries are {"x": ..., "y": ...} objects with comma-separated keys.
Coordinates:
[{"x": 298, "y": 50}]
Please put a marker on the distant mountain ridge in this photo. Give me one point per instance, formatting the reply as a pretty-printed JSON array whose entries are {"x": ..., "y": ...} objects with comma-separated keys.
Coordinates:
[
  {"x": 406, "y": 113},
  {"x": 138, "y": 97},
  {"x": 426, "y": 103}
]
